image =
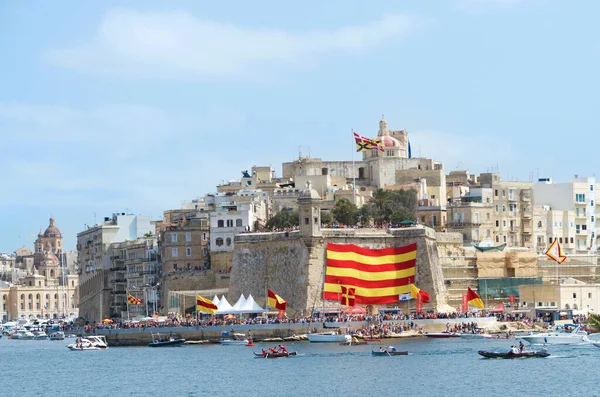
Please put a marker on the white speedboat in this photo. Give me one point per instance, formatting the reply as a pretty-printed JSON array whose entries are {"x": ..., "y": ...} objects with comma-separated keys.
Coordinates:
[
  {"x": 559, "y": 336},
  {"x": 57, "y": 335},
  {"x": 597, "y": 344},
  {"x": 22, "y": 334},
  {"x": 468, "y": 335},
  {"x": 234, "y": 339},
  {"x": 328, "y": 337},
  {"x": 40, "y": 335},
  {"x": 92, "y": 342}
]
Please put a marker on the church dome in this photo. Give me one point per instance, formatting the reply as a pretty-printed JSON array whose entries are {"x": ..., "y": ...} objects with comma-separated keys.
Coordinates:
[
  {"x": 309, "y": 193},
  {"x": 52, "y": 231},
  {"x": 389, "y": 141}
]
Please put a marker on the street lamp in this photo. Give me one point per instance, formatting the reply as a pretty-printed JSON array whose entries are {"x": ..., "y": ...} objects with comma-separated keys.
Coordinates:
[{"x": 153, "y": 288}]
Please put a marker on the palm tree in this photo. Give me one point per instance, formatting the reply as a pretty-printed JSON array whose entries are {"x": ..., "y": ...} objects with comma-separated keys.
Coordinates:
[{"x": 381, "y": 203}]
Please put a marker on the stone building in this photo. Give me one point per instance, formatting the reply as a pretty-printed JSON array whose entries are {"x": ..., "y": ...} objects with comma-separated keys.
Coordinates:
[
  {"x": 472, "y": 215},
  {"x": 96, "y": 267},
  {"x": 45, "y": 289},
  {"x": 292, "y": 263}
]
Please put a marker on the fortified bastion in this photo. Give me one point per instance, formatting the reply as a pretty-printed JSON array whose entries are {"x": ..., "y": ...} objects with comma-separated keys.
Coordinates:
[{"x": 293, "y": 263}]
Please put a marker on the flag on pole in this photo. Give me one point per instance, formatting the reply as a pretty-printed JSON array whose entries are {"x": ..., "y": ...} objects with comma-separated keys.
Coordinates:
[
  {"x": 555, "y": 252},
  {"x": 465, "y": 304},
  {"x": 347, "y": 296},
  {"x": 204, "y": 305},
  {"x": 474, "y": 299},
  {"x": 276, "y": 301},
  {"x": 363, "y": 143},
  {"x": 132, "y": 300},
  {"x": 378, "y": 276},
  {"x": 409, "y": 151},
  {"x": 418, "y": 293}
]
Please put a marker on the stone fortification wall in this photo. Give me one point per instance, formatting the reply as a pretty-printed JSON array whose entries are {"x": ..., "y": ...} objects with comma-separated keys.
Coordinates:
[
  {"x": 459, "y": 266},
  {"x": 293, "y": 266},
  {"x": 94, "y": 301},
  {"x": 275, "y": 261}
]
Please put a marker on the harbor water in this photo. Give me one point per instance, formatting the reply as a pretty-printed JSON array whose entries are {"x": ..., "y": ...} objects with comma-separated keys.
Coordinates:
[{"x": 434, "y": 367}]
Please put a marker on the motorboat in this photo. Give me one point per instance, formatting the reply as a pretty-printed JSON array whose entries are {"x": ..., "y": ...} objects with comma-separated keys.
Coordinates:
[
  {"x": 524, "y": 354},
  {"x": 328, "y": 337},
  {"x": 233, "y": 339},
  {"x": 469, "y": 335},
  {"x": 561, "y": 335},
  {"x": 159, "y": 340},
  {"x": 597, "y": 344},
  {"x": 91, "y": 342},
  {"x": 40, "y": 335},
  {"x": 442, "y": 335},
  {"x": 57, "y": 335},
  {"x": 22, "y": 334}
]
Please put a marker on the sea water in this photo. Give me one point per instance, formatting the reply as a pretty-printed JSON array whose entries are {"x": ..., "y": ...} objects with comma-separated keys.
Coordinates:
[{"x": 441, "y": 367}]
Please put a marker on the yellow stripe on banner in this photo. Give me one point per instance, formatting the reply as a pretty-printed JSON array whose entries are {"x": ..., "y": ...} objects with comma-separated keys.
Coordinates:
[
  {"x": 371, "y": 260},
  {"x": 370, "y": 276},
  {"x": 369, "y": 292}
]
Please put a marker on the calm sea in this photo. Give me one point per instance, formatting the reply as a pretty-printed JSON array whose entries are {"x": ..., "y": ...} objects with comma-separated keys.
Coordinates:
[{"x": 433, "y": 368}]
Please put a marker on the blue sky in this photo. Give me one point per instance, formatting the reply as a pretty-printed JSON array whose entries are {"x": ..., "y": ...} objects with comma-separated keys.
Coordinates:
[{"x": 139, "y": 105}]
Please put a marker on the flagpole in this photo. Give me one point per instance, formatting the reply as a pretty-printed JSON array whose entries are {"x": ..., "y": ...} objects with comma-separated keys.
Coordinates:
[{"x": 353, "y": 172}]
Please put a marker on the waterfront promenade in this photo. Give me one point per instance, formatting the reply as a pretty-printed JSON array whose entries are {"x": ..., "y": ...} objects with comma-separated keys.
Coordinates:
[{"x": 260, "y": 332}]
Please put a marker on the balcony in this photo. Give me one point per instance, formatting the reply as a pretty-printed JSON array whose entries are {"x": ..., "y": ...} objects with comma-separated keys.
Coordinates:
[
  {"x": 118, "y": 292},
  {"x": 118, "y": 281},
  {"x": 459, "y": 225},
  {"x": 118, "y": 269},
  {"x": 527, "y": 231},
  {"x": 514, "y": 229},
  {"x": 525, "y": 196},
  {"x": 580, "y": 215}
]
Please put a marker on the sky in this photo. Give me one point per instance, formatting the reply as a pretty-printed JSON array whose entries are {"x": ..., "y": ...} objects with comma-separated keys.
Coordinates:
[{"x": 137, "y": 106}]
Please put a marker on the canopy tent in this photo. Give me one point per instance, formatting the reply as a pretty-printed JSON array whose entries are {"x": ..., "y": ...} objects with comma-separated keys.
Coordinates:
[
  {"x": 223, "y": 306},
  {"x": 355, "y": 310},
  {"x": 215, "y": 300},
  {"x": 498, "y": 309},
  {"x": 240, "y": 302},
  {"x": 250, "y": 306}
]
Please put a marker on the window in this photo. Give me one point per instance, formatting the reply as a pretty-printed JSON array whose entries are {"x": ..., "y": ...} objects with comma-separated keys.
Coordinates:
[
  {"x": 188, "y": 236},
  {"x": 487, "y": 216},
  {"x": 188, "y": 251},
  {"x": 574, "y": 295},
  {"x": 173, "y": 237},
  {"x": 229, "y": 222},
  {"x": 580, "y": 198},
  {"x": 228, "y": 241},
  {"x": 220, "y": 223},
  {"x": 174, "y": 253},
  {"x": 571, "y": 240},
  {"x": 540, "y": 304},
  {"x": 497, "y": 223},
  {"x": 589, "y": 295},
  {"x": 238, "y": 223},
  {"x": 205, "y": 251},
  {"x": 219, "y": 241},
  {"x": 496, "y": 207},
  {"x": 591, "y": 188},
  {"x": 496, "y": 192},
  {"x": 504, "y": 238},
  {"x": 593, "y": 218},
  {"x": 560, "y": 240},
  {"x": 204, "y": 236}
]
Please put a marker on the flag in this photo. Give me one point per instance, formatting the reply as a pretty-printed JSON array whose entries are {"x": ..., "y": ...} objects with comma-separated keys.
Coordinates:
[
  {"x": 378, "y": 276},
  {"x": 465, "y": 304},
  {"x": 409, "y": 151},
  {"x": 363, "y": 143},
  {"x": 347, "y": 297},
  {"x": 404, "y": 297},
  {"x": 417, "y": 292},
  {"x": 555, "y": 252},
  {"x": 132, "y": 300},
  {"x": 276, "y": 301},
  {"x": 205, "y": 305},
  {"x": 474, "y": 299}
]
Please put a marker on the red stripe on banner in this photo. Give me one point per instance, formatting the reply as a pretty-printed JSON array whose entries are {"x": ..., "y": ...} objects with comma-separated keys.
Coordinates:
[
  {"x": 207, "y": 305},
  {"x": 356, "y": 282},
  {"x": 371, "y": 252},
  {"x": 372, "y": 300},
  {"x": 389, "y": 267}
]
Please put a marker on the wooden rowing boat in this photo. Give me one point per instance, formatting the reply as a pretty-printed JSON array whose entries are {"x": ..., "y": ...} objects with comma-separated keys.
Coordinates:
[{"x": 274, "y": 355}]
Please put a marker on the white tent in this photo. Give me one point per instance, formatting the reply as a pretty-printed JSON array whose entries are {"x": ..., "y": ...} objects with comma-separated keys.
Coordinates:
[
  {"x": 223, "y": 306},
  {"x": 215, "y": 300},
  {"x": 240, "y": 302},
  {"x": 250, "y": 306}
]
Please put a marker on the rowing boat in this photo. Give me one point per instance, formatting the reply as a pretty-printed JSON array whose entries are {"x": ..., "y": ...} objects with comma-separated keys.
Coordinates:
[
  {"x": 275, "y": 355},
  {"x": 539, "y": 353}
]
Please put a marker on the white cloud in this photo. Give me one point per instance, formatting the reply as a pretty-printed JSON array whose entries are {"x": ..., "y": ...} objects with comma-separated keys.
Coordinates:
[{"x": 180, "y": 45}]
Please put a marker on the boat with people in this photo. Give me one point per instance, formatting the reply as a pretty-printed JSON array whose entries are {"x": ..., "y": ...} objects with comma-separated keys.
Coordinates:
[
  {"x": 231, "y": 338},
  {"x": 91, "y": 342},
  {"x": 388, "y": 352},
  {"x": 159, "y": 340},
  {"x": 512, "y": 354},
  {"x": 442, "y": 334},
  {"x": 568, "y": 334},
  {"x": 328, "y": 337},
  {"x": 279, "y": 354}
]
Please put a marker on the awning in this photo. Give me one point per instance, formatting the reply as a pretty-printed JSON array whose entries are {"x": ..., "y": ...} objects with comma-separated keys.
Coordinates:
[
  {"x": 355, "y": 310},
  {"x": 498, "y": 309}
]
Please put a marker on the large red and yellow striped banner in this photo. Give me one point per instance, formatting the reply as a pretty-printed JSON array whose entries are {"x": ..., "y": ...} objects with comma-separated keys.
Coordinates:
[{"x": 378, "y": 276}]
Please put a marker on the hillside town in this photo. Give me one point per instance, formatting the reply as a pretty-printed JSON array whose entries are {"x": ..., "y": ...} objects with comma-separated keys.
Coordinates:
[{"x": 261, "y": 230}]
